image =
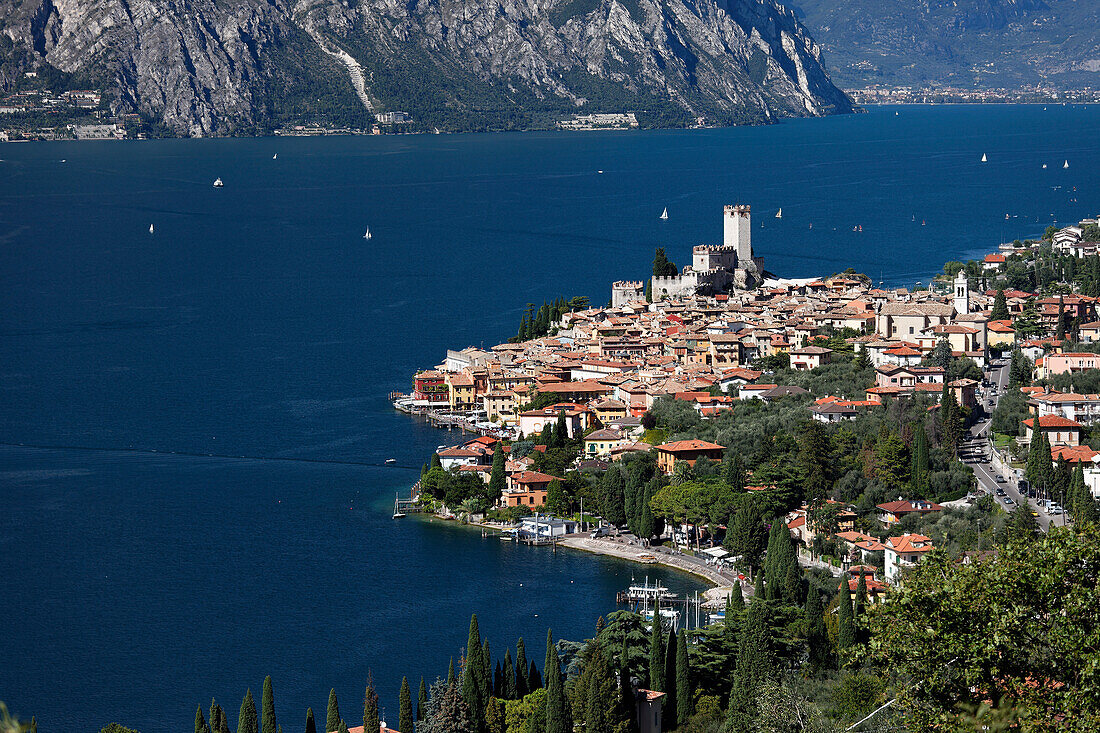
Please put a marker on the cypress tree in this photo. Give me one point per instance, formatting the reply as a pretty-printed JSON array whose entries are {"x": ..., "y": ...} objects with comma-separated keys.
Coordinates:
[
  {"x": 817, "y": 638},
  {"x": 405, "y": 707},
  {"x": 486, "y": 674},
  {"x": 507, "y": 678},
  {"x": 219, "y": 722},
  {"x": 498, "y": 681},
  {"x": 685, "y": 703},
  {"x": 332, "y": 720},
  {"x": 656, "y": 652},
  {"x": 1000, "y": 307},
  {"x": 421, "y": 701},
  {"x": 200, "y": 721},
  {"x": 669, "y": 709},
  {"x": 561, "y": 432},
  {"x": 733, "y": 473},
  {"x": 311, "y": 724},
  {"x": 497, "y": 482},
  {"x": 754, "y": 666},
  {"x": 919, "y": 470},
  {"x": 1060, "y": 329},
  {"x": 267, "y": 708},
  {"x": 246, "y": 721},
  {"x": 612, "y": 496},
  {"x": 861, "y": 603},
  {"x": 780, "y": 557},
  {"x": 472, "y": 686},
  {"x": 451, "y": 672},
  {"x": 846, "y": 628},
  {"x": 343, "y": 727},
  {"x": 522, "y": 685},
  {"x": 634, "y": 495},
  {"x": 436, "y": 463},
  {"x": 534, "y": 679},
  {"x": 558, "y": 716},
  {"x": 371, "y": 721}
]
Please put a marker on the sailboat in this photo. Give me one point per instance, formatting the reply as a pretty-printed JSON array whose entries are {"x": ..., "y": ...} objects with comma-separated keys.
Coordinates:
[
  {"x": 150, "y": 228},
  {"x": 1066, "y": 164},
  {"x": 397, "y": 513},
  {"x": 664, "y": 213},
  {"x": 218, "y": 183},
  {"x": 1044, "y": 166},
  {"x": 984, "y": 158},
  {"x": 366, "y": 234},
  {"x": 275, "y": 157},
  {"x": 779, "y": 214}
]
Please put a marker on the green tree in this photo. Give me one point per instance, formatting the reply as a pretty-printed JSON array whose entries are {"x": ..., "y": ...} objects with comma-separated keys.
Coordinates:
[
  {"x": 748, "y": 537},
  {"x": 1060, "y": 329},
  {"x": 821, "y": 654},
  {"x": 332, "y": 720},
  {"x": 669, "y": 709},
  {"x": 446, "y": 712},
  {"x": 685, "y": 702},
  {"x": 497, "y": 481},
  {"x": 267, "y": 708},
  {"x": 421, "y": 701},
  {"x": 1022, "y": 525},
  {"x": 612, "y": 496},
  {"x": 863, "y": 359},
  {"x": 1014, "y": 636},
  {"x": 508, "y": 678},
  {"x": 556, "y": 503},
  {"x": 451, "y": 672},
  {"x": 405, "y": 707},
  {"x": 815, "y": 461},
  {"x": 371, "y": 720},
  {"x": 662, "y": 266},
  {"x": 523, "y": 685},
  {"x": 733, "y": 472},
  {"x": 473, "y": 687},
  {"x": 755, "y": 665},
  {"x": 311, "y": 724},
  {"x": 781, "y": 557},
  {"x": 846, "y": 626},
  {"x": 941, "y": 355},
  {"x": 200, "y": 721},
  {"x": 219, "y": 721},
  {"x": 558, "y": 716},
  {"x": 246, "y": 720},
  {"x": 920, "y": 469},
  {"x": 1000, "y": 307}
]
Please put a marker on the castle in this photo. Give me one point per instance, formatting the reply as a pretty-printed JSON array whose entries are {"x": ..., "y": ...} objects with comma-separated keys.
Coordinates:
[{"x": 712, "y": 269}]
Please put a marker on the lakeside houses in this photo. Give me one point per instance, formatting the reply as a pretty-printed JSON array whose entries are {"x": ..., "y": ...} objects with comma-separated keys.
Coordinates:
[{"x": 704, "y": 340}]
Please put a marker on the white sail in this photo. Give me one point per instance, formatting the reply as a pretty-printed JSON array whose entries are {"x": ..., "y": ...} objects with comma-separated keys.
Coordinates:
[
  {"x": 779, "y": 214},
  {"x": 1044, "y": 166},
  {"x": 664, "y": 213},
  {"x": 1066, "y": 164},
  {"x": 367, "y": 234},
  {"x": 984, "y": 158},
  {"x": 150, "y": 228},
  {"x": 275, "y": 157}
]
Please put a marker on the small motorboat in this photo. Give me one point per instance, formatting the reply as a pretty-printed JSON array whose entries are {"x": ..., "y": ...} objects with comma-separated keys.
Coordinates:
[
  {"x": 391, "y": 461},
  {"x": 218, "y": 183}
]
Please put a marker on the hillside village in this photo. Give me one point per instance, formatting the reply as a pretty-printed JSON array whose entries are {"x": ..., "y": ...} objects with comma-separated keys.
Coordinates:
[{"x": 862, "y": 416}]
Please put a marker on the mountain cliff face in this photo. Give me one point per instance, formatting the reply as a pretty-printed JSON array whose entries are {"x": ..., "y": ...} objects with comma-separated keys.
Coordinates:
[
  {"x": 969, "y": 43},
  {"x": 227, "y": 66}
]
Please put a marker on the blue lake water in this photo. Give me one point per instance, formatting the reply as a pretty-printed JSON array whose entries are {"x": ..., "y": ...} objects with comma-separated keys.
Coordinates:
[{"x": 194, "y": 422}]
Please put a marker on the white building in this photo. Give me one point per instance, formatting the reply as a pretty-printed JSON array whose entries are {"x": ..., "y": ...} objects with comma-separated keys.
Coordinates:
[{"x": 905, "y": 551}]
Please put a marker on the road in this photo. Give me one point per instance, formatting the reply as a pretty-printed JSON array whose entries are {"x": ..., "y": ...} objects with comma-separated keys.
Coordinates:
[{"x": 976, "y": 450}]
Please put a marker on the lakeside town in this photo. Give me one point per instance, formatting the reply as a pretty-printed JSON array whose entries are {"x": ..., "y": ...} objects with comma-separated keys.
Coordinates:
[{"x": 629, "y": 383}]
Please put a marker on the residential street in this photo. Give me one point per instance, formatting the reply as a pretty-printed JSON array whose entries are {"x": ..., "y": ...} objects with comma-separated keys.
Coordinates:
[{"x": 976, "y": 452}]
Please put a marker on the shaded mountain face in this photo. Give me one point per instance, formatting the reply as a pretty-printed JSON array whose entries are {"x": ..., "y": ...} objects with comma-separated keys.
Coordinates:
[
  {"x": 232, "y": 66},
  {"x": 967, "y": 43}
]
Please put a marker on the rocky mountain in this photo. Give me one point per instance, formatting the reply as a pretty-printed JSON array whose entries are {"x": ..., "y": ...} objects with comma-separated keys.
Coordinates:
[
  {"x": 202, "y": 67},
  {"x": 966, "y": 43}
]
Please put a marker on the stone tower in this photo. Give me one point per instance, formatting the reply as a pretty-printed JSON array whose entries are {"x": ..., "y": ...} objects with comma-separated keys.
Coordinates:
[
  {"x": 737, "y": 231},
  {"x": 962, "y": 294}
]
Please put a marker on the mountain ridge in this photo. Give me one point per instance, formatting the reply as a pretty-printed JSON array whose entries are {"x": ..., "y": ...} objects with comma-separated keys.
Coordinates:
[{"x": 236, "y": 66}]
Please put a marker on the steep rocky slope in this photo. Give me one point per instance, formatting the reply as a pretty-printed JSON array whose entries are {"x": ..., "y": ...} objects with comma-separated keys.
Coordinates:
[{"x": 228, "y": 66}]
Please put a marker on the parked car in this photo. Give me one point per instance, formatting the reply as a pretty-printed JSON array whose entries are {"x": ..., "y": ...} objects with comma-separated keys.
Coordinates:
[{"x": 1008, "y": 500}]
